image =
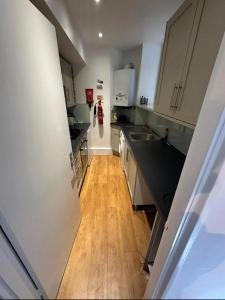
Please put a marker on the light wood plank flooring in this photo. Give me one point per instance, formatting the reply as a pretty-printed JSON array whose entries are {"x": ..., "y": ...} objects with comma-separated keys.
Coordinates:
[{"x": 107, "y": 257}]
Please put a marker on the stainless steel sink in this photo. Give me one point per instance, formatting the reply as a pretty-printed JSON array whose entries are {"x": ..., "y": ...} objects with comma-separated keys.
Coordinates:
[{"x": 142, "y": 136}]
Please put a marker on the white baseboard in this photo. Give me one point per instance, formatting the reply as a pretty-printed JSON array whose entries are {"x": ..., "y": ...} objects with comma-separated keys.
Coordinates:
[{"x": 100, "y": 151}]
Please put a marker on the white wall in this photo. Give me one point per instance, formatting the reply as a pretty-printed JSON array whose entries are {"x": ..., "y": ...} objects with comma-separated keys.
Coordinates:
[
  {"x": 101, "y": 64},
  {"x": 65, "y": 18},
  {"x": 39, "y": 210},
  {"x": 149, "y": 71},
  {"x": 133, "y": 56}
]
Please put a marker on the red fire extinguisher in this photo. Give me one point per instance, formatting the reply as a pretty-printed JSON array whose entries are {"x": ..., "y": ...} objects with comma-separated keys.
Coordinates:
[{"x": 100, "y": 112}]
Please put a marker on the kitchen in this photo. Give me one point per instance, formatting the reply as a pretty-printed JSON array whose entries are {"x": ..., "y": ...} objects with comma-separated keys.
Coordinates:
[{"x": 97, "y": 133}]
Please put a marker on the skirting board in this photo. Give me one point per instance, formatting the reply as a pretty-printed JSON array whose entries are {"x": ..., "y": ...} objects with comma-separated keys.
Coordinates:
[{"x": 100, "y": 151}]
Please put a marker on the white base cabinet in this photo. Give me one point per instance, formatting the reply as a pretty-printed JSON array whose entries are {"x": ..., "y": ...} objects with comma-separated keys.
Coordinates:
[
  {"x": 132, "y": 174},
  {"x": 142, "y": 195},
  {"x": 138, "y": 189},
  {"x": 122, "y": 149},
  {"x": 115, "y": 139},
  {"x": 130, "y": 169}
]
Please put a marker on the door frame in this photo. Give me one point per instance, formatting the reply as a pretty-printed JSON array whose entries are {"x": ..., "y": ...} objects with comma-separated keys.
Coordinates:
[{"x": 207, "y": 134}]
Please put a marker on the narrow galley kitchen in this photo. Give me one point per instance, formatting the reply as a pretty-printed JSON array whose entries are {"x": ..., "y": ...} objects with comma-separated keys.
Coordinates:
[{"x": 106, "y": 148}]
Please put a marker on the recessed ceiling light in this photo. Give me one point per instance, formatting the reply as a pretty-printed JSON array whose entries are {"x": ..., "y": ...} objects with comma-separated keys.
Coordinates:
[
  {"x": 97, "y": 1},
  {"x": 100, "y": 35}
]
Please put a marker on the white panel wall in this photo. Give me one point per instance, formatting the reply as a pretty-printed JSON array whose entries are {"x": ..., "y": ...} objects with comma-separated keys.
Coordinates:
[
  {"x": 149, "y": 71},
  {"x": 40, "y": 209},
  {"x": 65, "y": 18}
]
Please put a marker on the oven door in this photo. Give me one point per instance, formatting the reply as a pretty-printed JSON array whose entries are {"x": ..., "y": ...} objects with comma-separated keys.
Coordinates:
[{"x": 84, "y": 155}]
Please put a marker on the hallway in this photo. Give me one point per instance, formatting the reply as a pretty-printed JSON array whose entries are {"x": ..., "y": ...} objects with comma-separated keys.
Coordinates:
[{"x": 107, "y": 257}]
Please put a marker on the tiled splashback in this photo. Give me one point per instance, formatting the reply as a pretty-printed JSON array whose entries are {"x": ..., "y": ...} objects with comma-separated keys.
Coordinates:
[
  {"x": 128, "y": 112},
  {"x": 82, "y": 113},
  {"x": 179, "y": 136}
]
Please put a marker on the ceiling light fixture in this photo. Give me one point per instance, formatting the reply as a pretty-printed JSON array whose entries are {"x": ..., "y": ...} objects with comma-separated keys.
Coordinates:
[
  {"x": 97, "y": 1},
  {"x": 100, "y": 35}
]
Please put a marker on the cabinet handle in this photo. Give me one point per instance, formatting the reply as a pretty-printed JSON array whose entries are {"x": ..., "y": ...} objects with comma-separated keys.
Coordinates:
[
  {"x": 173, "y": 96},
  {"x": 176, "y": 106}
]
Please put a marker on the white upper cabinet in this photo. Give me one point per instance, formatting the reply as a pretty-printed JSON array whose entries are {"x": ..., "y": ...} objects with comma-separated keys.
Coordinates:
[
  {"x": 178, "y": 34},
  {"x": 192, "y": 40},
  {"x": 124, "y": 87},
  {"x": 194, "y": 84}
]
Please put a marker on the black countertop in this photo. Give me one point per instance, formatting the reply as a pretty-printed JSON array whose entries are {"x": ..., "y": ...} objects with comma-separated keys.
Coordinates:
[
  {"x": 120, "y": 125},
  {"x": 76, "y": 142},
  {"x": 161, "y": 166}
]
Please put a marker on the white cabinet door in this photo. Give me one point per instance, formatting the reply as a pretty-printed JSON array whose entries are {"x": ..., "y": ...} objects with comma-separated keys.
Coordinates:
[
  {"x": 122, "y": 149},
  {"x": 115, "y": 139},
  {"x": 14, "y": 281},
  {"x": 202, "y": 61},
  {"x": 132, "y": 173},
  {"x": 126, "y": 159},
  {"x": 142, "y": 194},
  {"x": 179, "y": 38},
  {"x": 130, "y": 169}
]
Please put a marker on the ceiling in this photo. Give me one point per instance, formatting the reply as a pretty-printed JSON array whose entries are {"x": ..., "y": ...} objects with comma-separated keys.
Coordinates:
[{"x": 125, "y": 24}]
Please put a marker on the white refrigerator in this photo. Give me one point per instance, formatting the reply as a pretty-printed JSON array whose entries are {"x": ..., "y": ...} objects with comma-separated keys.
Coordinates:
[{"x": 39, "y": 208}]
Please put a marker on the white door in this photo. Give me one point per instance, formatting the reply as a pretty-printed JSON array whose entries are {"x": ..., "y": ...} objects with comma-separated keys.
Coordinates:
[
  {"x": 40, "y": 209},
  {"x": 14, "y": 281}
]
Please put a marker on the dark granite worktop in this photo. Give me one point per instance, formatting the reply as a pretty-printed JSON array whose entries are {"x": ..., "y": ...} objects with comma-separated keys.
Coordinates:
[
  {"x": 76, "y": 142},
  {"x": 161, "y": 165},
  {"x": 120, "y": 125}
]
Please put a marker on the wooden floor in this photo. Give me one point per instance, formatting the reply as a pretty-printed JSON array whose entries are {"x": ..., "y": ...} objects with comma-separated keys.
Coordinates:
[{"x": 107, "y": 257}]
